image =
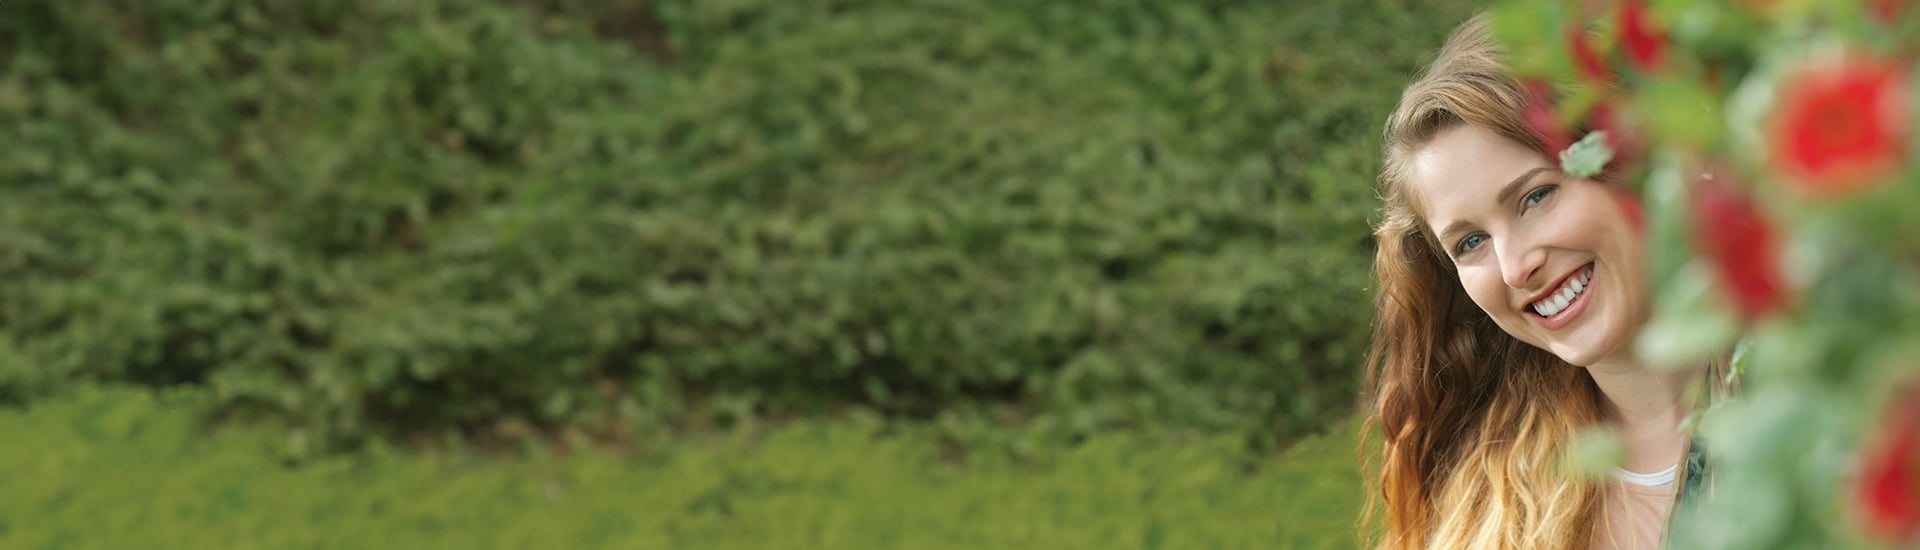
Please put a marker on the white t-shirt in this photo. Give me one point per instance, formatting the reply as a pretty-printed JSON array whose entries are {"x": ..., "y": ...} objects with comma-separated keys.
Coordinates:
[{"x": 1633, "y": 511}]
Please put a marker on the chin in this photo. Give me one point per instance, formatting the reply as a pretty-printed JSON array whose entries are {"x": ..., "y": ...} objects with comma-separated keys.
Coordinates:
[
  {"x": 1586, "y": 354},
  {"x": 1580, "y": 358}
]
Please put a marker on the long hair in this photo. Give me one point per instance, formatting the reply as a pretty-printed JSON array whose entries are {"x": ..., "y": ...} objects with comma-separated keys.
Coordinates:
[{"x": 1473, "y": 420}]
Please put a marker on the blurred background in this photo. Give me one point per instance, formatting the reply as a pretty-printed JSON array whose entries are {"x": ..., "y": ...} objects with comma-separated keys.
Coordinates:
[{"x": 690, "y": 274}]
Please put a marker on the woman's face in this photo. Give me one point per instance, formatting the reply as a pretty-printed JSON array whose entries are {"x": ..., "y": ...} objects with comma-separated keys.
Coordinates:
[{"x": 1550, "y": 257}]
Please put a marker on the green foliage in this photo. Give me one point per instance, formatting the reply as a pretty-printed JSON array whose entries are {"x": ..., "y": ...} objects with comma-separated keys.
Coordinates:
[
  {"x": 120, "y": 468},
  {"x": 1781, "y": 194},
  {"x": 614, "y": 219}
]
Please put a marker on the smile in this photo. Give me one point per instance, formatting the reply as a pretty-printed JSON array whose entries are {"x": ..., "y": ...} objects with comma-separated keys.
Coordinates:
[{"x": 1567, "y": 302}]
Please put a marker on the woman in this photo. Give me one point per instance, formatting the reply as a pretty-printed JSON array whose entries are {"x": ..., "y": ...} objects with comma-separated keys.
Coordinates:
[{"x": 1510, "y": 294}]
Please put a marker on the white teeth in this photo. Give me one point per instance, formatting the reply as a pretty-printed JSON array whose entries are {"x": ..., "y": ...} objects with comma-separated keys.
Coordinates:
[{"x": 1557, "y": 302}]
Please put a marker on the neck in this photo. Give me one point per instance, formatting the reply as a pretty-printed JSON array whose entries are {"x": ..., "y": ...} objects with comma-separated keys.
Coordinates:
[
  {"x": 1638, "y": 395},
  {"x": 1646, "y": 405}
]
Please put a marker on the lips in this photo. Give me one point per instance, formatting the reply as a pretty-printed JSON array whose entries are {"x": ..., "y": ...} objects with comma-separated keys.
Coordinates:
[{"x": 1558, "y": 307}]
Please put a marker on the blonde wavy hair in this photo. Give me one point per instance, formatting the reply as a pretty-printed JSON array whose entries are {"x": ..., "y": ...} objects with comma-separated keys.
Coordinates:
[{"x": 1473, "y": 420}]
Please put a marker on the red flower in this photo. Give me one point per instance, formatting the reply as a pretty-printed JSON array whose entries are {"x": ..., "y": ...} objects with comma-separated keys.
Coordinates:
[
  {"x": 1740, "y": 242},
  {"x": 1592, "y": 65},
  {"x": 1539, "y": 117},
  {"x": 1646, "y": 46},
  {"x": 1630, "y": 208},
  {"x": 1887, "y": 11},
  {"x": 1887, "y": 490},
  {"x": 1841, "y": 126}
]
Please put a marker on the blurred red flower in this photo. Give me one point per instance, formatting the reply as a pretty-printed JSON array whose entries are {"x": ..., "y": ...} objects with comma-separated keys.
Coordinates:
[
  {"x": 1539, "y": 116},
  {"x": 1626, "y": 140},
  {"x": 1593, "y": 66},
  {"x": 1841, "y": 127},
  {"x": 1646, "y": 46},
  {"x": 1629, "y": 204},
  {"x": 1887, "y": 491},
  {"x": 1887, "y": 11},
  {"x": 1740, "y": 242}
]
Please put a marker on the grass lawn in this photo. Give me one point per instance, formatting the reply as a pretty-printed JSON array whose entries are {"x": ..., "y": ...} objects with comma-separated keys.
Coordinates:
[{"x": 110, "y": 468}]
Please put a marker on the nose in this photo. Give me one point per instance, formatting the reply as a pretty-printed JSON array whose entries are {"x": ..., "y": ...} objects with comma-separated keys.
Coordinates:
[{"x": 1520, "y": 262}]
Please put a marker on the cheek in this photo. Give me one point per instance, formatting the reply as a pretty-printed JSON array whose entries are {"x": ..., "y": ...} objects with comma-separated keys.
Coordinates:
[
  {"x": 1487, "y": 288},
  {"x": 1591, "y": 222},
  {"x": 1597, "y": 225},
  {"x": 1489, "y": 292},
  {"x": 1600, "y": 226},
  {"x": 1629, "y": 258}
]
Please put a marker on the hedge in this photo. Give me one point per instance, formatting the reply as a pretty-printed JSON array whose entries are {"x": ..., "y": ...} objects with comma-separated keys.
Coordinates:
[{"x": 620, "y": 219}]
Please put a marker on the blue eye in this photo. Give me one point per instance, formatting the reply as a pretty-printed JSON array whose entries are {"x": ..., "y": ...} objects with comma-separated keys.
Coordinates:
[
  {"x": 1540, "y": 194},
  {"x": 1468, "y": 244}
]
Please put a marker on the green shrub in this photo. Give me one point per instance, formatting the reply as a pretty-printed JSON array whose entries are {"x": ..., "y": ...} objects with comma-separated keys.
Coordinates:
[{"x": 368, "y": 217}]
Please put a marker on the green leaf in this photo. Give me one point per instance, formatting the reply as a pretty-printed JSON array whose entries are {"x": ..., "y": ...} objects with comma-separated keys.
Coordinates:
[
  {"x": 1530, "y": 31},
  {"x": 1683, "y": 111},
  {"x": 1688, "y": 325},
  {"x": 1664, "y": 193},
  {"x": 1593, "y": 453},
  {"x": 1742, "y": 356},
  {"x": 1585, "y": 158}
]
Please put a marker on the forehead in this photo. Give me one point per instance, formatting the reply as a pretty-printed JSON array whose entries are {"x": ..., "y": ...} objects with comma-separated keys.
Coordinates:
[{"x": 1461, "y": 171}]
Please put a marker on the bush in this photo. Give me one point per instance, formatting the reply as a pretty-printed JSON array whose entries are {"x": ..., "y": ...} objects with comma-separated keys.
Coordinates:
[{"x": 487, "y": 218}]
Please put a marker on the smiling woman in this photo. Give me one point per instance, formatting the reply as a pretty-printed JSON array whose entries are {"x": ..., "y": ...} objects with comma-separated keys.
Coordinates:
[
  {"x": 1510, "y": 294},
  {"x": 1530, "y": 249}
]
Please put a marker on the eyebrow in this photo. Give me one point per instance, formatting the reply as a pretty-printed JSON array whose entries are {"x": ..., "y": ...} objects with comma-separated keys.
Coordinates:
[{"x": 1507, "y": 194}]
